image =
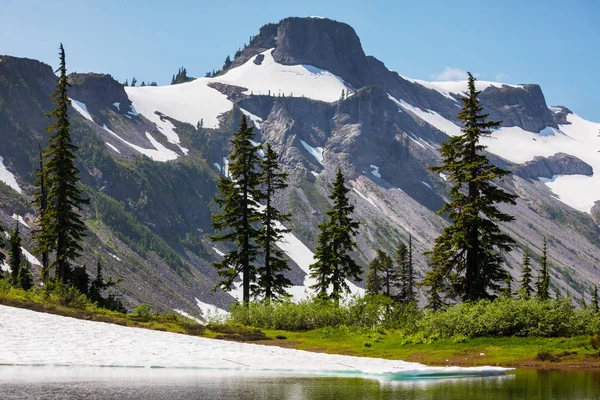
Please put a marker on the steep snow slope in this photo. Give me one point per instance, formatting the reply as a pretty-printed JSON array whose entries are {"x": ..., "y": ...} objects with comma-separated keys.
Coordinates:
[
  {"x": 455, "y": 89},
  {"x": 194, "y": 101},
  {"x": 285, "y": 80},
  {"x": 30, "y": 338}
]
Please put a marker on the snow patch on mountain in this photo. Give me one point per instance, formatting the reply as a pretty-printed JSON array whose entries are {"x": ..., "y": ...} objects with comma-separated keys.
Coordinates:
[
  {"x": 366, "y": 198},
  {"x": 81, "y": 108},
  {"x": 20, "y": 219},
  {"x": 285, "y": 80},
  {"x": 316, "y": 152},
  {"x": 8, "y": 178},
  {"x": 113, "y": 148},
  {"x": 30, "y": 257},
  {"x": 159, "y": 153},
  {"x": 456, "y": 89}
]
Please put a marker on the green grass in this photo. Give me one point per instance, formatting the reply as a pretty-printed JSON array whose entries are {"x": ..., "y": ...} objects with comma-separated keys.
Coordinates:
[{"x": 506, "y": 351}]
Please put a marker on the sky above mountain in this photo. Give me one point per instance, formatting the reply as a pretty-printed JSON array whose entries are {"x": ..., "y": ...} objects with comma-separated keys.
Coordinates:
[{"x": 551, "y": 43}]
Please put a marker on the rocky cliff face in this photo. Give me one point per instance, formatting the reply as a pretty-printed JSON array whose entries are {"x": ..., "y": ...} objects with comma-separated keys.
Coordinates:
[{"x": 558, "y": 164}]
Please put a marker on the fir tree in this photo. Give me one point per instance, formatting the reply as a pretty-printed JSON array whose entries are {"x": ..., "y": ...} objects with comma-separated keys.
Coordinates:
[
  {"x": 543, "y": 281},
  {"x": 436, "y": 285},
  {"x": 468, "y": 251},
  {"x": 381, "y": 274},
  {"x": 271, "y": 280},
  {"x": 525, "y": 289},
  {"x": 61, "y": 226},
  {"x": 407, "y": 291},
  {"x": 40, "y": 202},
  {"x": 227, "y": 63},
  {"x": 133, "y": 82},
  {"x": 25, "y": 281},
  {"x": 333, "y": 262},
  {"x": 401, "y": 260},
  {"x": 506, "y": 290},
  {"x": 595, "y": 300},
  {"x": 15, "y": 255},
  {"x": 239, "y": 202}
]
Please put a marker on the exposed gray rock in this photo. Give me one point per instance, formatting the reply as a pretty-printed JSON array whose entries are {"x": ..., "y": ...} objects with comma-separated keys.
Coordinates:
[
  {"x": 98, "y": 91},
  {"x": 233, "y": 93},
  {"x": 558, "y": 164}
]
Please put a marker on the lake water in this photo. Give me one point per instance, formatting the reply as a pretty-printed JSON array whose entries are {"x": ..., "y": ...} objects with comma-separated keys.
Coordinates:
[{"x": 131, "y": 383}]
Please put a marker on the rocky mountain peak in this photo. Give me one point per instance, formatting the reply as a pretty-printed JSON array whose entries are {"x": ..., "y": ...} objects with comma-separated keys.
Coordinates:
[{"x": 97, "y": 90}]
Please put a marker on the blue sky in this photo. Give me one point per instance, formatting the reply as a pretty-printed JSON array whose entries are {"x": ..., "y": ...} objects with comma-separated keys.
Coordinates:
[{"x": 551, "y": 43}]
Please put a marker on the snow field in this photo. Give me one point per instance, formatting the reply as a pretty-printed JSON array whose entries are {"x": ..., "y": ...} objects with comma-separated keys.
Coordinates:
[{"x": 31, "y": 338}]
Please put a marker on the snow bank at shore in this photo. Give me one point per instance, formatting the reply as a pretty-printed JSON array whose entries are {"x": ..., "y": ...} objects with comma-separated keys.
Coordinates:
[{"x": 32, "y": 338}]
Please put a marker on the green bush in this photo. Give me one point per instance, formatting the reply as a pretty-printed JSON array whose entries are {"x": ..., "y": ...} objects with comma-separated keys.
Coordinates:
[{"x": 143, "y": 311}]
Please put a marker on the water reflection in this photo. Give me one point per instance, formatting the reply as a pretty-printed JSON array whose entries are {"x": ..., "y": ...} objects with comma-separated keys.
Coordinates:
[{"x": 120, "y": 383}]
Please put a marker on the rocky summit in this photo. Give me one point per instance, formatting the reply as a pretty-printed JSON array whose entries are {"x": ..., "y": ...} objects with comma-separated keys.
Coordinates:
[{"x": 150, "y": 157}]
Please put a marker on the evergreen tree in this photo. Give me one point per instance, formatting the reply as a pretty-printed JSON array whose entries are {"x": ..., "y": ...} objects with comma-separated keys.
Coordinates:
[
  {"x": 380, "y": 275},
  {"x": 333, "y": 262},
  {"x": 543, "y": 282},
  {"x": 506, "y": 290},
  {"x": 239, "y": 202},
  {"x": 436, "y": 285},
  {"x": 408, "y": 293},
  {"x": 271, "y": 280},
  {"x": 61, "y": 226},
  {"x": 80, "y": 279},
  {"x": 15, "y": 255},
  {"x": 40, "y": 202},
  {"x": 468, "y": 251},
  {"x": 133, "y": 82},
  {"x": 401, "y": 260},
  {"x": 25, "y": 281},
  {"x": 595, "y": 299},
  {"x": 126, "y": 82},
  {"x": 525, "y": 289},
  {"x": 227, "y": 63},
  {"x": 373, "y": 282}
]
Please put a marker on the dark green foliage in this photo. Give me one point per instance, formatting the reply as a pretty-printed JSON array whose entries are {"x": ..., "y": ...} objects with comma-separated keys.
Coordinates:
[
  {"x": 436, "y": 285},
  {"x": 404, "y": 261},
  {"x": 506, "y": 291},
  {"x": 239, "y": 201},
  {"x": 271, "y": 281},
  {"x": 15, "y": 256},
  {"x": 40, "y": 202},
  {"x": 98, "y": 286},
  {"x": 468, "y": 251},
  {"x": 525, "y": 289},
  {"x": 24, "y": 279},
  {"x": 181, "y": 77},
  {"x": 80, "y": 279},
  {"x": 381, "y": 276},
  {"x": 333, "y": 262},
  {"x": 62, "y": 228},
  {"x": 227, "y": 63},
  {"x": 595, "y": 299},
  {"x": 543, "y": 281},
  {"x": 133, "y": 82}
]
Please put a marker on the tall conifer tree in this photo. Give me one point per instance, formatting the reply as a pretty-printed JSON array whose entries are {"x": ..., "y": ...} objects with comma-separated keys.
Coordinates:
[
  {"x": 595, "y": 299},
  {"x": 239, "y": 201},
  {"x": 468, "y": 251},
  {"x": 333, "y": 262},
  {"x": 381, "y": 276},
  {"x": 543, "y": 282},
  {"x": 41, "y": 202},
  {"x": 525, "y": 289},
  {"x": 272, "y": 283},
  {"x": 407, "y": 284},
  {"x": 62, "y": 228},
  {"x": 15, "y": 255}
]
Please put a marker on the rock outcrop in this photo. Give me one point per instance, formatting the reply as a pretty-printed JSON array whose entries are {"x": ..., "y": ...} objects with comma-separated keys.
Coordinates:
[{"x": 558, "y": 164}]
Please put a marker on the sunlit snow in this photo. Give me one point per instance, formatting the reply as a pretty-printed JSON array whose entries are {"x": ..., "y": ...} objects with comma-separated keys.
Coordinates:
[
  {"x": 31, "y": 338},
  {"x": 81, "y": 109},
  {"x": 7, "y": 177},
  {"x": 316, "y": 152}
]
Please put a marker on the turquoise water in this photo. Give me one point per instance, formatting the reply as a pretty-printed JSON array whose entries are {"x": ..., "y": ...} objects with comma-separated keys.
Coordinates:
[{"x": 128, "y": 383}]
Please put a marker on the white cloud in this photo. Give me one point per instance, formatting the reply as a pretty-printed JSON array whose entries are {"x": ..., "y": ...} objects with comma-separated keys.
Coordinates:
[
  {"x": 453, "y": 74},
  {"x": 450, "y": 74}
]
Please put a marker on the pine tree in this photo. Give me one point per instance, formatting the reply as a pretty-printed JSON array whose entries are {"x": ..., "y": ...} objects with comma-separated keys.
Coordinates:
[
  {"x": 25, "y": 281},
  {"x": 506, "y": 290},
  {"x": 133, "y": 82},
  {"x": 271, "y": 280},
  {"x": 595, "y": 299},
  {"x": 525, "y": 289},
  {"x": 239, "y": 202},
  {"x": 436, "y": 285},
  {"x": 40, "y": 202},
  {"x": 401, "y": 260},
  {"x": 15, "y": 255},
  {"x": 543, "y": 282},
  {"x": 61, "y": 225},
  {"x": 333, "y": 262},
  {"x": 373, "y": 284},
  {"x": 468, "y": 251},
  {"x": 408, "y": 294},
  {"x": 381, "y": 274}
]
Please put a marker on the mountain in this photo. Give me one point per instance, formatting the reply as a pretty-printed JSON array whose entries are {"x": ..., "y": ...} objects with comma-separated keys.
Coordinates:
[{"x": 150, "y": 158}]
